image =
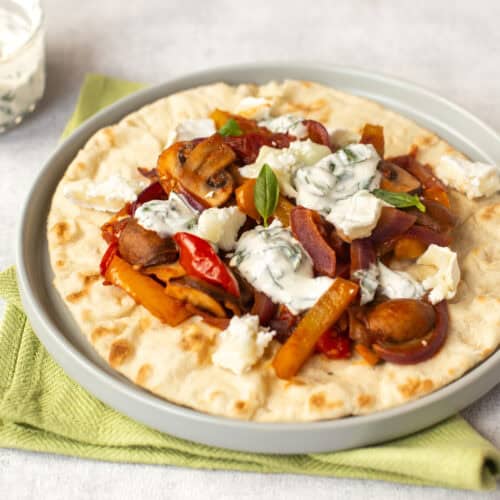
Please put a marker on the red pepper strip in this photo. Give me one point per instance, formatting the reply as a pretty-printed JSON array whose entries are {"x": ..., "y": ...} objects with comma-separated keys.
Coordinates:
[
  {"x": 306, "y": 227},
  {"x": 200, "y": 260},
  {"x": 153, "y": 192},
  {"x": 418, "y": 350},
  {"x": 334, "y": 346},
  {"x": 317, "y": 132},
  {"x": 111, "y": 251}
]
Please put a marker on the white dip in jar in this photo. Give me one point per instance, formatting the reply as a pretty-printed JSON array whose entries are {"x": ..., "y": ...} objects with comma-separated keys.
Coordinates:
[{"x": 22, "y": 59}]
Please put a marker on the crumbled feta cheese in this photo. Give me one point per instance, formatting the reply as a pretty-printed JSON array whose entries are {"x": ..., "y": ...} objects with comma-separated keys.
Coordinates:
[
  {"x": 286, "y": 124},
  {"x": 256, "y": 108},
  {"x": 191, "y": 129},
  {"x": 241, "y": 344},
  {"x": 167, "y": 217},
  {"x": 474, "y": 179},
  {"x": 106, "y": 196},
  {"x": 285, "y": 161},
  {"x": 221, "y": 226},
  {"x": 444, "y": 281},
  {"x": 398, "y": 284},
  {"x": 368, "y": 282},
  {"x": 357, "y": 215}
]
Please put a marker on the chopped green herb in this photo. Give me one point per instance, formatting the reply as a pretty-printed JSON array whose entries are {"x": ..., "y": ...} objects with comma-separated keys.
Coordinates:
[
  {"x": 399, "y": 200},
  {"x": 266, "y": 193},
  {"x": 230, "y": 128},
  {"x": 351, "y": 156}
]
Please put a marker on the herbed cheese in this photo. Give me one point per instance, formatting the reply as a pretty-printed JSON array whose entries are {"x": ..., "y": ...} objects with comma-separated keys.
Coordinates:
[
  {"x": 474, "y": 179},
  {"x": 443, "y": 282},
  {"x": 368, "y": 283},
  {"x": 167, "y": 217},
  {"x": 338, "y": 186},
  {"x": 285, "y": 162},
  {"x": 398, "y": 284},
  {"x": 241, "y": 344},
  {"x": 275, "y": 263},
  {"x": 286, "y": 124}
]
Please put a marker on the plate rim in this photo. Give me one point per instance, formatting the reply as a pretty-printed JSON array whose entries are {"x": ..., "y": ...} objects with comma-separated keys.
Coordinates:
[{"x": 91, "y": 375}]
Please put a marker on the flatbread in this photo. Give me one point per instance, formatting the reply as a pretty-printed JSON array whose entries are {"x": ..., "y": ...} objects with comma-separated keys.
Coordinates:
[{"x": 175, "y": 363}]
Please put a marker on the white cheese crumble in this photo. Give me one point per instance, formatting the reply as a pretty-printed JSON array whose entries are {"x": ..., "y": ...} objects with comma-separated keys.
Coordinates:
[
  {"x": 167, "y": 217},
  {"x": 357, "y": 215},
  {"x": 221, "y": 226},
  {"x": 191, "y": 129},
  {"x": 444, "y": 281},
  {"x": 368, "y": 283},
  {"x": 106, "y": 196},
  {"x": 398, "y": 284},
  {"x": 286, "y": 124},
  {"x": 241, "y": 344},
  {"x": 285, "y": 161},
  {"x": 474, "y": 179},
  {"x": 256, "y": 108},
  {"x": 275, "y": 263}
]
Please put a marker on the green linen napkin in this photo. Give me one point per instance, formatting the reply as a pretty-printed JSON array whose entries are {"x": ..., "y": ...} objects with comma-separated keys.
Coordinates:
[{"x": 42, "y": 409}]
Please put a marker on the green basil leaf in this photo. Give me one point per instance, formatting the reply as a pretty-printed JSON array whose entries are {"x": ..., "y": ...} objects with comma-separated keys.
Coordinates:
[
  {"x": 266, "y": 192},
  {"x": 399, "y": 200},
  {"x": 231, "y": 128}
]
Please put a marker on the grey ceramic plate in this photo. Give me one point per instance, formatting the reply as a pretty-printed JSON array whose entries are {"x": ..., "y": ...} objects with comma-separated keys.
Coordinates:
[{"x": 62, "y": 339}]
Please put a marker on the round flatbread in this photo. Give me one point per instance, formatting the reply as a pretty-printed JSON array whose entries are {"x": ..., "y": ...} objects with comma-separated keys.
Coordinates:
[{"x": 175, "y": 363}]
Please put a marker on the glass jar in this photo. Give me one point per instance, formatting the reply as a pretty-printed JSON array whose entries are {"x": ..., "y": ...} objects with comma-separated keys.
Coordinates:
[{"x": 22, "y": 60}]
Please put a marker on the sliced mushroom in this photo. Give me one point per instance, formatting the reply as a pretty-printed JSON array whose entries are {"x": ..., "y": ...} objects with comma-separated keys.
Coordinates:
[
  {"x": 166, "y": 272},
  {"x": 397, "y": 179},
  {"x": 400, "y": 320},
  {"x": 212, "y": 293},
  {"x": 200, "y": 169},
  {"x": 181, "y": 290},
  {"x": 141, "y": 247}
]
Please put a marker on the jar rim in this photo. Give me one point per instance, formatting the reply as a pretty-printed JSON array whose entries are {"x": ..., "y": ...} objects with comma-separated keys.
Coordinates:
[{"x": 37, "y": 27}]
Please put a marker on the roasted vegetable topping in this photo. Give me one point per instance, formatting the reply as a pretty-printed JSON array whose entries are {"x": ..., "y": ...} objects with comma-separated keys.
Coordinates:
[
  {"x": 317, "y": 320},
  {"x": 311, "y": 263},
  {"x": 199, "y": 259}
]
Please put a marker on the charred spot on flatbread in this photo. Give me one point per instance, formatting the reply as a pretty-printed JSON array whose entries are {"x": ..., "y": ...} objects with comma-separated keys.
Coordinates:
[{"x": 121, "y": 350}]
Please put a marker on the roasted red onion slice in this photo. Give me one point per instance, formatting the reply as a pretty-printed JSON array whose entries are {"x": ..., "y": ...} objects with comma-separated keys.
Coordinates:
[
  {"x": 428, "y": 236},
  {"x": 305, "y": 226},
  {"x": 362, "y": 254},
  {"x": 247, "y": 146},
  {"x": 392, "y": 224},
  {"x": 418, "y": 350},
  {"x": 264, "y": 308},
  {"x": 153, "y": 192}
]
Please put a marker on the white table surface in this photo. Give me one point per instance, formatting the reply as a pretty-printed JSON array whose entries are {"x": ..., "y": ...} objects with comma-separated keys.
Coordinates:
[{"x": 450, "y": 46}]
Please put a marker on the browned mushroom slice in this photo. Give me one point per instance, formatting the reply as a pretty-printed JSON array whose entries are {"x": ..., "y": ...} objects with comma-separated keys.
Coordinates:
[
  {"x": 141, "y": 247},
  {"x": 166, "y": 272},
  {"x": 182, "y": 289},
  {"x": 400, "y": 320},
  {"x": 397, "y": 179},
  {"x": 200, "y": 169}
]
